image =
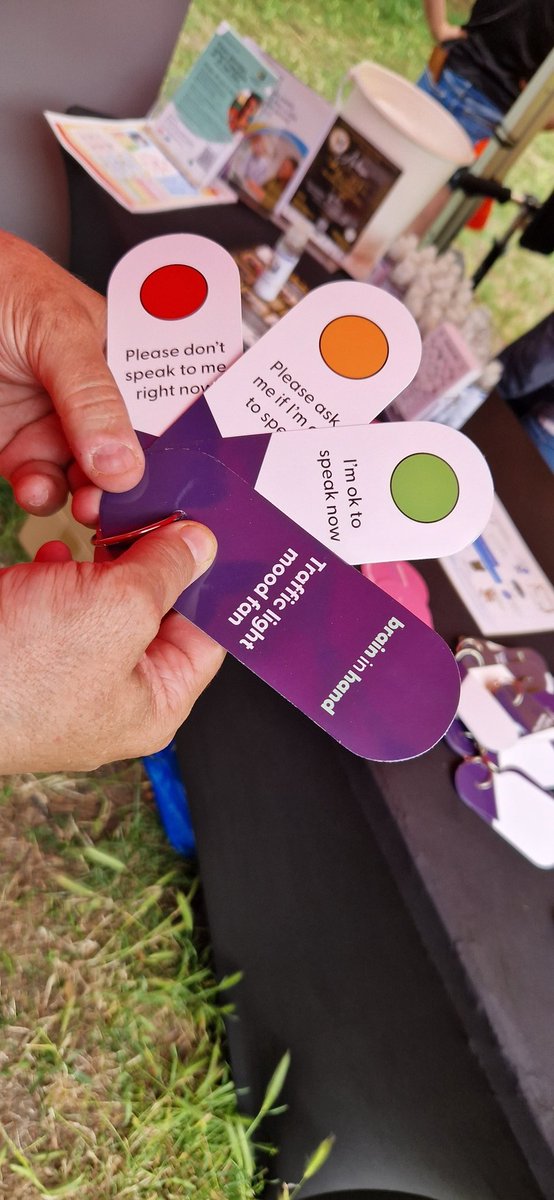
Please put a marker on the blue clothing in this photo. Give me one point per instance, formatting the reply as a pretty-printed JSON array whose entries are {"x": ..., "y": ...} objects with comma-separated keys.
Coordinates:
[
  {"x": 540, "y": 427},
  {"x": 504, "y": 43},
  {"x": 163, "y": 772},
  {"x": 527, "y": 384},
  {"x": 475, "y": 113}
]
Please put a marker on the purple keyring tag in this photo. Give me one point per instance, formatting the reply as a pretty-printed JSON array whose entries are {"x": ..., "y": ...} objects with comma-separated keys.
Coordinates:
[
  {"x": 524, "y": 707},
  {"x": 516, "y": 807},
  {"x": 460, "y": 740},
  {"x": 474, "y": 784}
]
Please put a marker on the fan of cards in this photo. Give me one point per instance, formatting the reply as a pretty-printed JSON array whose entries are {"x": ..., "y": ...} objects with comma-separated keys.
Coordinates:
[{"x": 276, "y": 451}]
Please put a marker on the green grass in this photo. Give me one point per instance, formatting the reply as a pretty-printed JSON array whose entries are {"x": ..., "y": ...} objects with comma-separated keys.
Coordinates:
[
  {"x": 113, "y": 1077},
  {"x": 115, "y": 1023},
  {"x": 11, "y": 520},
  {"x": 319, "y": 39}
]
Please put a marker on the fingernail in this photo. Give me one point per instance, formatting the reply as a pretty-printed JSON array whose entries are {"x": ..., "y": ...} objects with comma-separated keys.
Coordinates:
[
  {"x": 202, "y": 545},
  {"x": 114, "y": 458},
  {"x": 38, "y": 495}
]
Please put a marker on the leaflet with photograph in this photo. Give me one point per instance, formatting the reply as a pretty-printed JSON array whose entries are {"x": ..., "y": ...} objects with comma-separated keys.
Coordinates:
[
  {"x": 213, "y": 107},
  {"x": 281, "y": 142},
  {"x": 171, "y": 158}
]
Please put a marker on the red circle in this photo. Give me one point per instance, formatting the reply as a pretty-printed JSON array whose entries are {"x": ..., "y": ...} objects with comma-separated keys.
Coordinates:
[{"x": 173, "y": 292}]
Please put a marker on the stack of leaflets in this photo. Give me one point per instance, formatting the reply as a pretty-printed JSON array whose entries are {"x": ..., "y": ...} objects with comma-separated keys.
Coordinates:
[
  {"x": 171, "y": 159},
  {"x": 240, "y": 123}
]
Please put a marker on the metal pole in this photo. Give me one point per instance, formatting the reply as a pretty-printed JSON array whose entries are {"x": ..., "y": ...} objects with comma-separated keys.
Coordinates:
[{"x": 527, "y": 116}]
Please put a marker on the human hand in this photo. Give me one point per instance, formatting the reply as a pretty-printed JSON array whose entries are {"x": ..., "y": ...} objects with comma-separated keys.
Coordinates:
[
  {"x": 443, "y": 31},
  {"x": 58, "y": 399},
  {"x": 93, "y": 669}
]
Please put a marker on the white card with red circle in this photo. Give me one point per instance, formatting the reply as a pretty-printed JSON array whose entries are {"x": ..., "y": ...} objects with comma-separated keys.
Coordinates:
[{"x": 174, "y": 325}]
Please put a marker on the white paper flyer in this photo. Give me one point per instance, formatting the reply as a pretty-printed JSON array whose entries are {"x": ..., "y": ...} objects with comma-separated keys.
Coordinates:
[
  {"x": 213, "y": 106},
  {"x": 500, "y": 582},
  {"x": 170, "y": 159},
  {"x": 125, "y": 160}
]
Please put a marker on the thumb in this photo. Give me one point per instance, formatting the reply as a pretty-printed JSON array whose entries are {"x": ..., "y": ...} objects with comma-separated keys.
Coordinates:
[
  {"x": 92, "y": 413},
  {"x": 162, "y": 564},
  {"x": 53, "y": 552}
]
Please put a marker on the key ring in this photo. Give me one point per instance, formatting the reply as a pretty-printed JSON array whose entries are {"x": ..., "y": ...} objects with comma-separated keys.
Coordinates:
[{"x": 117, "y": 539}]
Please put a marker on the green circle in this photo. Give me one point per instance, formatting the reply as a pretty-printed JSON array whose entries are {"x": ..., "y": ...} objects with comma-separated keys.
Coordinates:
[{"x": 424, "y": 488}]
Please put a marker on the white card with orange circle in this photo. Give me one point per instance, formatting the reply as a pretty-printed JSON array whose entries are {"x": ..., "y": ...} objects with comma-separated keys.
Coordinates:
[
  {"x": 174, "y": 325},
  {"x": 338, "y": 358}
]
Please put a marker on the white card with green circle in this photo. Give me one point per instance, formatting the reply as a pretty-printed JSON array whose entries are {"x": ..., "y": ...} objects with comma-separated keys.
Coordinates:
[{"x": 382, "y": 492}]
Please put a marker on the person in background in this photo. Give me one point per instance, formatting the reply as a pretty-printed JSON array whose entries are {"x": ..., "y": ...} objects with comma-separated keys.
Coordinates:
[
  {"x": 242, "y": 112},
  {"x": 95, "y": 666},
  {"x": 255, "y": 168},
  {"x": 275, "y": 187},
  {"x": 527, "y": 384},
  {"x": 477, "y": 71}
]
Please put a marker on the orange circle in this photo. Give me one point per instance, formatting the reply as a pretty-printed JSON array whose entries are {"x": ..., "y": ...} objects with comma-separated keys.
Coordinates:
[{"x": 354, "y": 347}]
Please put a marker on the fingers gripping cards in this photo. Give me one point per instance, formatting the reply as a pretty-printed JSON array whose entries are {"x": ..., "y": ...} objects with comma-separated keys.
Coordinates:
[
  {"x": 349, "y": 656},
  {"x": 174, "y": 325},
  {"x": 284, "y": 422}
]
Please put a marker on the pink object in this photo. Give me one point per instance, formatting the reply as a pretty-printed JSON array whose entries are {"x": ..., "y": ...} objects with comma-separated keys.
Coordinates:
[{"x": 401, "y": 581}]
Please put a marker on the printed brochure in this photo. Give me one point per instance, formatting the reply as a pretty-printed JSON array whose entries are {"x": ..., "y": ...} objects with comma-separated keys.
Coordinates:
[
  {"x": 171, "y": 159},
  {"x": 281, "y": 142}
]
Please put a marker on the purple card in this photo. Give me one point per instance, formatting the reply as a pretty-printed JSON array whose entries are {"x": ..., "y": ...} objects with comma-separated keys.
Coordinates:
[
  {"x": 344, "y": 652},
  {"x": 524, "y": 707},
  {"x": 277, "y": 596},
  {"x": 525, "y": 664}
]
